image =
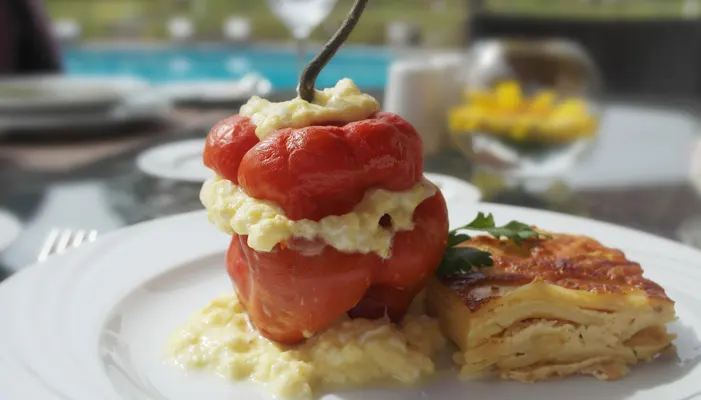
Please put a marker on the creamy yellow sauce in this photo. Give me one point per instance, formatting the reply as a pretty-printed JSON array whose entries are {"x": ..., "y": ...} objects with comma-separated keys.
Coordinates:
[
  {"x": 341, "y": 103},
  {"x": 233, "y": 211},
  {"x": 350, "y": 353}
]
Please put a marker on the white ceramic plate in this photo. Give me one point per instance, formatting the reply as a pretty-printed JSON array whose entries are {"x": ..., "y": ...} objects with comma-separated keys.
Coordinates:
[
  {"x": 53, "y": 104},
  {"x": 456, "y": 191},
  {"x": 695, "y": 166},
  {"x": 91, "y": 323},
  {"x": 178, "y": 161},
  {"x": 182, "y": 161},
  {"x": 218, "y": 91},
  {"x": 58, "y": 92},
  {"x": 10, "y": 228}
]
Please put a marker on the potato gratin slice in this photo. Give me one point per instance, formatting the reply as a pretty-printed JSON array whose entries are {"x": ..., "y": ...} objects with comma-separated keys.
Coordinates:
[{"x": 554, "y": 307}]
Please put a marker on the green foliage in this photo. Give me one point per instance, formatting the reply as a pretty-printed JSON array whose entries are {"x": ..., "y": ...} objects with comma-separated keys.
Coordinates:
[
  {"x": 591, "y": 9},
  {"x": 443, "y": 26}
]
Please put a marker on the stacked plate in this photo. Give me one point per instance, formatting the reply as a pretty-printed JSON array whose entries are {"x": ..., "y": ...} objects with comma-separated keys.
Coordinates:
[
  {"x": 178, "y": 172},
  {"x": 47, "y": 104},
  {"x": 217, "y": 93}
]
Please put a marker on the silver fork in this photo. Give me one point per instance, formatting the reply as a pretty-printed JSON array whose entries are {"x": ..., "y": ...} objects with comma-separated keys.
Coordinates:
[{"x": 60, "y": 240}]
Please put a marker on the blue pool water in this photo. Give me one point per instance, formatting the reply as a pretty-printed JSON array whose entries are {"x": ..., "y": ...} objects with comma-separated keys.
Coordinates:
[{"x": 159, "y": 65}]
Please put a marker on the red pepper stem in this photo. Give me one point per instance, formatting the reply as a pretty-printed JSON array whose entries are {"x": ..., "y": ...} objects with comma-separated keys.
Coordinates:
[{"x": 305, "y": 89}]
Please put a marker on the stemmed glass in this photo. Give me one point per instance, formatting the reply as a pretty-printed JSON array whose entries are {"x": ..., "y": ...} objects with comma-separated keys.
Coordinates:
[{"x": 301, "y": 17}]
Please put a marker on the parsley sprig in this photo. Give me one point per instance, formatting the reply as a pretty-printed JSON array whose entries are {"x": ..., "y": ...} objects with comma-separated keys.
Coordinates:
[{"x": 465, "y": 259}]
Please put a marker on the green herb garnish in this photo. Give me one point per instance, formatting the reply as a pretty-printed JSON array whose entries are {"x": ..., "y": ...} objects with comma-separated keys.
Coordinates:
[
  {"x": 466, "y": 259},
  {"x": 463, "y": 259}
]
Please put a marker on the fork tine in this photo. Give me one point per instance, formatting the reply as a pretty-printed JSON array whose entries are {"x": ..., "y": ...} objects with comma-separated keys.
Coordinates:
[
  {"x": 78, "y": 238},
  {"x": 48, "y": 245},
  {"x": 63, "y": 241},
  {"x": 58, "y": 241},
  {"x": 92, "y": 235}
]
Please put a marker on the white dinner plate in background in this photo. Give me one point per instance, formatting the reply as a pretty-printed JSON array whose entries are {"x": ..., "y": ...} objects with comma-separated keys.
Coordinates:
[
  {"x": 10, "y": 228},
  {"x": 455, "y": 190},
  {"x": 695, "y": 166},
  {"x": 217, "y": 91},
  {"x": 689, "y": 231},
  {"x": 48, "y": 104},
  {"x": 92, "y": 323},
  {"x": 182, "y": 161},
  {"x": 56, "y": 93},
  {"x": 178, "y": 161}
]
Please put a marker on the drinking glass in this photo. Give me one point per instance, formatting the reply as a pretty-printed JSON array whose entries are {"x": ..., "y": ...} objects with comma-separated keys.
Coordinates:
[{"x": 301, "y": 17}]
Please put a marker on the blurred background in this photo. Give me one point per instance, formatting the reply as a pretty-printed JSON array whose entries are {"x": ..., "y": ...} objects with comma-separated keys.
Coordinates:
[{"x": 588, "y": 107}]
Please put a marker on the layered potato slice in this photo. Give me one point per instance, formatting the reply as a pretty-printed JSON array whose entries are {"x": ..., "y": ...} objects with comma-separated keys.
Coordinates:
[{"x": 552, "y": 307}]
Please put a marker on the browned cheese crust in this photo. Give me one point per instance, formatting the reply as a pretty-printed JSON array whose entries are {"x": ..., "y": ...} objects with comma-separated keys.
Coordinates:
[{"x": 571, "y": 261}]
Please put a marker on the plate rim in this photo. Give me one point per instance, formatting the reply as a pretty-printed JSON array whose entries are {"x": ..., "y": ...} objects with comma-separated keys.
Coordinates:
[
  {"x": 146, "y": 160},
  {"x": 131, "y": 229},
  {"x": 118, "y": 88}
]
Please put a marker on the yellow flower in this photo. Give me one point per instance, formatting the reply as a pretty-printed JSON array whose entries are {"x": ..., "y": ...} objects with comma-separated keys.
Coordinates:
[
  {"x": 505, "y": 111},
  {"x": 509, "y": 95},
  {"x": 543, "y": 101}
]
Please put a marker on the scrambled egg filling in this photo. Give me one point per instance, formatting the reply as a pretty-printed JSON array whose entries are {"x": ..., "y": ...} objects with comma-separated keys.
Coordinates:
[
  {"x": 359, "y": 231},
  {"x": 341, "y": 103},
  {"x": 349, "y": 353}
]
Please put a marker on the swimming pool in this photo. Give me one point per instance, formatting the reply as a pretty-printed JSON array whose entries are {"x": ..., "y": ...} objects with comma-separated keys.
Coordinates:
[{"x": 161, "y": 65}]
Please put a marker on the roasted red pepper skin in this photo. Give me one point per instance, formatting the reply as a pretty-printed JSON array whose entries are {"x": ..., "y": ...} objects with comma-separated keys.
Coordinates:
[
  {"x": 300, "y": 288},
  {"x": 288, "y": 293},
  {"x": 318, "y": 171},
  {"x": 227, "y": 142}
]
